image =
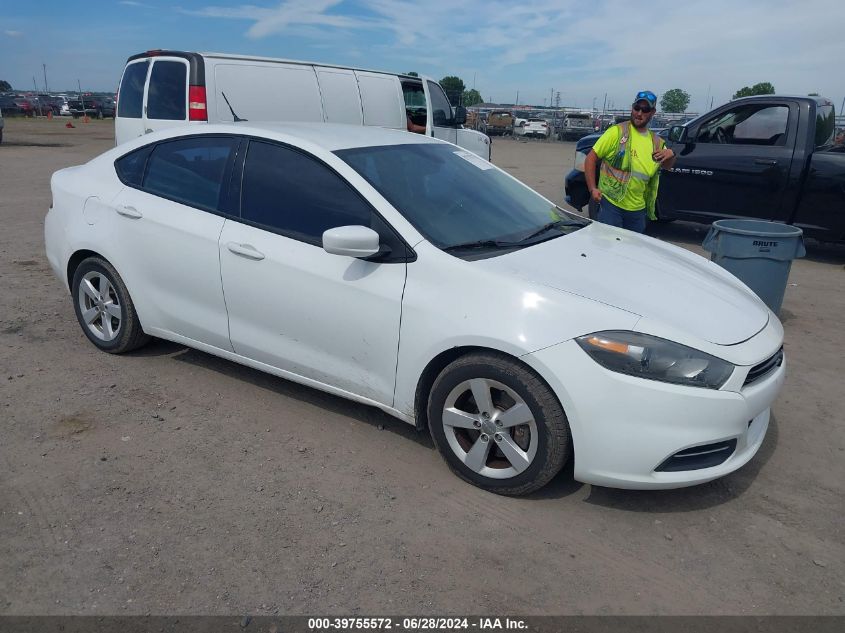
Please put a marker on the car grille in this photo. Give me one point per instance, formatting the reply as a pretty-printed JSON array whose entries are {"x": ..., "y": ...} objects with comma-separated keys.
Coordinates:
[
  {"x": 761, "y": 369},
  {"x": 698, "y": 457}
]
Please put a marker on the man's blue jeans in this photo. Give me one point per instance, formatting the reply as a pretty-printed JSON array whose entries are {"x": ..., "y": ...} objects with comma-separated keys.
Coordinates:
[{"x": 609, "y": 213}]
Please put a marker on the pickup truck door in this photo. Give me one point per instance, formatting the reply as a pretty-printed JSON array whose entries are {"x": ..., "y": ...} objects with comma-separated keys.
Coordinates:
[{"x": 735, "y": 163}]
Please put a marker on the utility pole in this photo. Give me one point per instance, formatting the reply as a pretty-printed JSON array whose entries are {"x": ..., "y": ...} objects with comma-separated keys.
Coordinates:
[
  {"x": 44, "y": 66},
  {"x": 517, "y": 98},
  {"x": 604, "y": 107},
  {"x": 557, "y": 99},
  {"x": 551, "y": 97},
  {"x": 594, "y": 104}
]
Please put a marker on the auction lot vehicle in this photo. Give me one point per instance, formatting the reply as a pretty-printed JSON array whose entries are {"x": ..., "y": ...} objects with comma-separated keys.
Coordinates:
[
  {"x": 499, "y": 123},
  {"x": 537, "y": 127},
  {"x": 403, "y": 272},
  {"x": 92, "y": 105},
  {"x": 575, "y": 126},
  {"x": 2, "y": 124},
  {"x": 162, "y": 89},
  {"x": 770, "y": 158}
]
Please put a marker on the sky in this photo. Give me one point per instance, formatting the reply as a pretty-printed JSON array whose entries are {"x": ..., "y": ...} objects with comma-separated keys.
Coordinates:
[{"x": 583, "y": 49}]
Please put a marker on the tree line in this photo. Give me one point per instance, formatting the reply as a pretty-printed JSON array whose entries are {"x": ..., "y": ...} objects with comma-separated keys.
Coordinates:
[{"x": 675, "y": 100}]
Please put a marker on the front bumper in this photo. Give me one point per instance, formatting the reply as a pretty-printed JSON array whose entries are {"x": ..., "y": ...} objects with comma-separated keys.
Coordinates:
[{"x": 624, "y": 428}]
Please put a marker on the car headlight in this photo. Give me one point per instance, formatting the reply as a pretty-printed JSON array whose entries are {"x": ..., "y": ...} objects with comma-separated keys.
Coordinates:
[
  {"x": 654, "y": 358},
  {"x": 580, "y": 157}
]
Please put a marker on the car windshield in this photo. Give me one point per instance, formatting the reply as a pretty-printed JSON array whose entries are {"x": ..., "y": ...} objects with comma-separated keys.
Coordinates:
[{"x": 458, "y": 201}]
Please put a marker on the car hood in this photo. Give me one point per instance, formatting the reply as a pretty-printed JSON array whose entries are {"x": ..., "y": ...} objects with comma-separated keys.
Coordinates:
[{"x": 658, "y": 281}]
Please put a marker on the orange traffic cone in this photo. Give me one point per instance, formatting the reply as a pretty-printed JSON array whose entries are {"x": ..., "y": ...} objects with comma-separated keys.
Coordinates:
[
  {"x": 86, "y": 119},
  {"x": 49, "y": 115},
  {"x": 70, "y": 125}
]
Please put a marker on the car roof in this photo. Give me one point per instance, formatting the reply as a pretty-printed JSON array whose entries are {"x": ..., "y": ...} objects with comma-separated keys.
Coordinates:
[{"x": 328, "y": 136}]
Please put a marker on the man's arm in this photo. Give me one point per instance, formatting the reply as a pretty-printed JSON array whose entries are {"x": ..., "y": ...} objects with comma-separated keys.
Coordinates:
[
  {"x": 590, "y": 175},
  {"x": 666, "y": 157}
]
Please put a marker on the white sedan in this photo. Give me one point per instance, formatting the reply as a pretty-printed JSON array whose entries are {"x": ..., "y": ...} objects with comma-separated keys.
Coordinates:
[{"x": 406, "y": 273}]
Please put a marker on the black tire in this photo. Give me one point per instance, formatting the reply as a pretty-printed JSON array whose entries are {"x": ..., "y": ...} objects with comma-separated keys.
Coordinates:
[
  {"x": 552, "y": 429},
  {"x": 128, "y": 333},
  {"x": 593, "y": 209}
]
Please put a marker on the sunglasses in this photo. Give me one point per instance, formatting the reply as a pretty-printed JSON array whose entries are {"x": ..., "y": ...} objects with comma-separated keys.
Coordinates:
[{"x": 643, "y": 109}]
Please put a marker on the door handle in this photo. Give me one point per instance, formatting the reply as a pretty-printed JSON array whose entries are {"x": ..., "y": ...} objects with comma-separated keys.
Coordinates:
[
  {"x": 245, "y": 250},
  {"x": 765, "y": 161},
  {"x": 129, "y": 212}
]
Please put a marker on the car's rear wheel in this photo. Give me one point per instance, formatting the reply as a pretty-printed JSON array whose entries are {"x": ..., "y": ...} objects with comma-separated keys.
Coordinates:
[
  {"x": 497, "y": 424},
  {"x": 104, "y": 308}
]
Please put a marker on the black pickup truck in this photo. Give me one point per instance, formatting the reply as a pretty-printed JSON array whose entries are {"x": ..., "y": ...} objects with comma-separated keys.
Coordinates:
[
  {"x": 770, "y": 158},
  {"x": 92, "y": 105}
]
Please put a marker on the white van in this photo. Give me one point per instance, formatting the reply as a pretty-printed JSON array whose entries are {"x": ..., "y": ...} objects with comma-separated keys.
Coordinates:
[{"x": 161, "y": 89}]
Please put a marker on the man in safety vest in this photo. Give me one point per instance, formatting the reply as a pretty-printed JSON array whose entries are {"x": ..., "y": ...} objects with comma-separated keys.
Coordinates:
[{"x": 631, "y": 158}]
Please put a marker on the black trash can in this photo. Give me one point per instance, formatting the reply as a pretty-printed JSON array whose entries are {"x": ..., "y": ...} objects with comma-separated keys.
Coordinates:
[{"x": 759, "y": 253}]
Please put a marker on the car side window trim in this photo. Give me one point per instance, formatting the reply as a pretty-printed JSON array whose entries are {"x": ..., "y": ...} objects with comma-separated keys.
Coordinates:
[
  {"x": 227, "y": 174},
  {"x": 410, "y": 254}
]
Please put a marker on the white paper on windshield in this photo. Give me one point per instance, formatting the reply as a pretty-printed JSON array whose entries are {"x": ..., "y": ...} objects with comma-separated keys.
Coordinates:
[{"x": 473, "y": 159}]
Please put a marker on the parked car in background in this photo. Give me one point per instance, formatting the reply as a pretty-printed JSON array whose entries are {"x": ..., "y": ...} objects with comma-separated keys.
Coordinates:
[
  {"x": 57, "y": 104},
  {"x": 396, "y": 270},
  {"x": 15, "y": 105},
  {"x": 2, "y": 125},
  {"x": 161, "y": 89},
  {"x": 575, "y": 125},
  {"x": 765, "y": 157},
  {"x": 499, "y": 123},
  {"x": 538, "y": 128},
  {"x": 96, "y": 106}
]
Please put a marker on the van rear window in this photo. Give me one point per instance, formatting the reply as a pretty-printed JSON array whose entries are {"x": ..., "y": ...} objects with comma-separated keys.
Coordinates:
[
  {"x": 131, "y": 95},
  {"x": 168, "y": 93}
]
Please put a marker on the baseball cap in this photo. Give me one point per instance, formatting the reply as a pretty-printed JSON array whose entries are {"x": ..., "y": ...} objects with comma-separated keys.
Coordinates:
[{"x": 646, "y": 95}]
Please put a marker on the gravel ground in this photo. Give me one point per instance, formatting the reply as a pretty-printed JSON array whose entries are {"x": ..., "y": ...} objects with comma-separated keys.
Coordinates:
[{"x": 170, "y": 481}]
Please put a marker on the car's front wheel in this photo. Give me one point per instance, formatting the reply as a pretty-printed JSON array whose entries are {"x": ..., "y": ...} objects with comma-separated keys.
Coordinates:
[
  {"x": 104, "y": 308},
  {"x": 497, "y": 424}
]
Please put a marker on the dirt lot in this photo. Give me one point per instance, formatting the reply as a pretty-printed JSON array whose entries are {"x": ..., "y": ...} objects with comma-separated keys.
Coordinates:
[{"x": 169, "y": 481}]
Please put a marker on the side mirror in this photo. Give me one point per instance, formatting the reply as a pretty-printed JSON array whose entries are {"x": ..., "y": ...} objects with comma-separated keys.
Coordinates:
[
  {"x": 460, "y": 115},
  {"x": 351, "y": 241},
  {"x": 677, "y": 134}
]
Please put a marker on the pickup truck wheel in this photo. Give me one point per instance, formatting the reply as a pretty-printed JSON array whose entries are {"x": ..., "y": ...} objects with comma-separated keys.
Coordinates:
[{"x": 593, "y": 209}]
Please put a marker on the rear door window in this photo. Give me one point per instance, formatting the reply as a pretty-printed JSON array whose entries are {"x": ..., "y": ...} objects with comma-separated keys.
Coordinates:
[
  {"x": 753, "y": 124},
  {"x": 131, "y": 94},
  {"x": 167, "y": 98},
  {"x": 191, "y": 171},
  {"x": 825, "y": 126},
  {"x": 130, "y": 168}
]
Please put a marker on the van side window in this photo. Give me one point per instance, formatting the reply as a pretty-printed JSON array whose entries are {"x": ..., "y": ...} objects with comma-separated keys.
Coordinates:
[
  {"x": 290, "y": 193},
  {"x": 167, "y": 98},
  {"x": 190, "y": 171},
  {"x": 441, "y": 110},
  {"x": 131, "y": 93}
]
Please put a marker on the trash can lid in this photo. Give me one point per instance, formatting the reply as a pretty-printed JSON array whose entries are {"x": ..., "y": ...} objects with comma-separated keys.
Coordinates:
[{"x": 760, "y": 228}]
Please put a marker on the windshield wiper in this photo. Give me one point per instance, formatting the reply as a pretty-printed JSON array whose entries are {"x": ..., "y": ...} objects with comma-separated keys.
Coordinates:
[
  {"x": 480, "y": 244},
  {"x": 552, "y": 225}
]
